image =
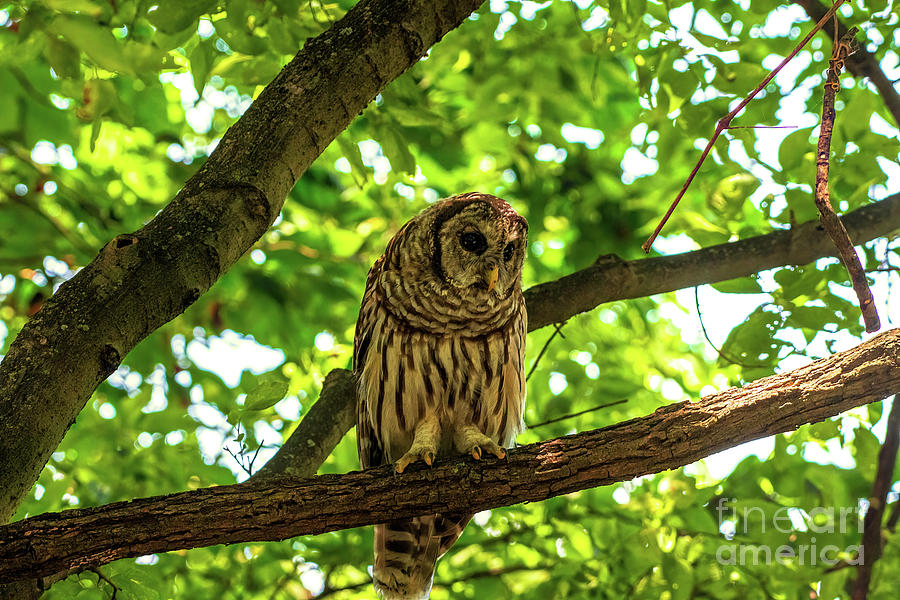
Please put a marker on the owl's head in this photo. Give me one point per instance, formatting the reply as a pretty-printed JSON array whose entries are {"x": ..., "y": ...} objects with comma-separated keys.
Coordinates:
[
  {"x": 478, "y": 244},
  {"x": 457, "y": 265}
]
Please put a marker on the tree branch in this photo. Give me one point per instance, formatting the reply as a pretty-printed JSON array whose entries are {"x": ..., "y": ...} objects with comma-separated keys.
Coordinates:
[
  {"x": 862, "y": 63},
  {"x": 884, "y": 477},
  {"x": 612, "y": 278},
  {"x": 830, "y": 220},
  {"x": 274, "y": 509},
  {"x": 140, "y": 281}
]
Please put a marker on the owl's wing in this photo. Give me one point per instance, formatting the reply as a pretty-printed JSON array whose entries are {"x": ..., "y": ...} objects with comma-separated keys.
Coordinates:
[{"x": 368, "y": 445}]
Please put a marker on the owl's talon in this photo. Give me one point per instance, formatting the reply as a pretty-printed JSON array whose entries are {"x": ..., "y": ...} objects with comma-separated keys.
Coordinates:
[
  {"x": 414, "y": 455},
  {"x": 424, "y": 445},
  {"x": 470, "y": 440}
]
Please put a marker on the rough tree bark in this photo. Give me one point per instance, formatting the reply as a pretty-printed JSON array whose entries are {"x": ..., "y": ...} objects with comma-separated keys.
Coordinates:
[{"x": 672, "y": 436}]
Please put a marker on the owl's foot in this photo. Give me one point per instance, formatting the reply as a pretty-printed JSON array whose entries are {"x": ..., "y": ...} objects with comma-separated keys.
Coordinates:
[
  {"x": 470, "y": 440},
  {"x": 424, "y": 446}
]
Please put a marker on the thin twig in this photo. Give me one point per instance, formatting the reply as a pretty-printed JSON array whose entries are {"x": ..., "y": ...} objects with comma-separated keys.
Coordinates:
[
  {"x": 891, "y": 524},
  {"x": 102, "y": 577},
  {"x": 558, "y": 330},
  {"x": 884, "y": 477},
  {"x": 725, "y": 122},
  {"x": 253, "y": 460},
  {"x": 714, "y": 347},
  {"x": 238, "y": 459},
  {"x": 862, "y": 64},
  {"x": 830, "y": 221},
  {"x": 578, "y": 414}
]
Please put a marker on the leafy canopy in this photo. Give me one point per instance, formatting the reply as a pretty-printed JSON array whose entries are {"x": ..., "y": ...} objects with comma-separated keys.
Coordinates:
[{"x": 588, "y": 118}]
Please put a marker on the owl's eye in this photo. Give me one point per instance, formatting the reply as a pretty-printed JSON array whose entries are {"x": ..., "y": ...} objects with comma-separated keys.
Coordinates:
[
  {"x": 472, "y": 241},
  {"x": 508, "y": 251}
]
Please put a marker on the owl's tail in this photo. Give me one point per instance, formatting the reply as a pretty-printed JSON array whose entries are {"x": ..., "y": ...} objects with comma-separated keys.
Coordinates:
[{"x": 406, "y": 552}]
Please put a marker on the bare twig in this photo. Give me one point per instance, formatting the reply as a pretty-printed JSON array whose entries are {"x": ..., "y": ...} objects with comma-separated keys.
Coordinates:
[
  {"x": 239, "y": 459},
  {"x": 830, "y": 221},
  {"x": 862, "y": 63},
  {"x": 102, "y": 577},
  {"x": 871, "y": 541},
  {"x": 725, "y": 122},
  {"x": 721, "y": 354},
  {"x": 578, "y": 414},
  {"x": 557, "y": 330}
]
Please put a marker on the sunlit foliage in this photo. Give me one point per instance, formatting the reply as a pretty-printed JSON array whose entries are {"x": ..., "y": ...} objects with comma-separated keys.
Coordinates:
[{"x": 587, "y": 117}]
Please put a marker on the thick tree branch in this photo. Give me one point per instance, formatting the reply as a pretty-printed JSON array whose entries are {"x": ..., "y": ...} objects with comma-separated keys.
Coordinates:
[
  {"x": 861, "y": 63},
  {"x": 274, "y": 509},
  {"x": 611, "y": 278},
  {"x": 142, "y": 280}
]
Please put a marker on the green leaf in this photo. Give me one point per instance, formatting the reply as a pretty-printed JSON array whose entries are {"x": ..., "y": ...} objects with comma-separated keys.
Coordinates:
[
  {"x": 202, "y": 57},
  {"x": 812, "y": 317},
  {"x": 795, "y": 150},
  {"x": 95, "y": 133},
  {"x": 64, "y": 58},
  {"x": 266, "y": 394},
  {"x": 99, "y": 44},
  {"x": 288, "y": 7},
  {"x": 825, "y": 430},
  {"x": 352, "y": 154},
  {"x": 172, "y": 16},
  {"x": 874, "y": 411},
  {"x": 280, "y": 34},
  {"x": 866, "y": 448},
  {"x": 730, "y": 194},
  {"x": 742, "y": 285},
  {"x": 84, "y": 7},
  {"x": 239, "y": 38},
  {"x": 396, "y": 150}
]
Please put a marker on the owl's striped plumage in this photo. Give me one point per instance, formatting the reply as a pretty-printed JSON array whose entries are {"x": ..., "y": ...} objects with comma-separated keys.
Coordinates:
[{"x": 439, "y": 352}]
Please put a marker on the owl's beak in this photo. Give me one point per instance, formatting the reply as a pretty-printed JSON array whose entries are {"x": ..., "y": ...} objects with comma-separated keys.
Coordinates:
[{"x": 492, "y": 276}]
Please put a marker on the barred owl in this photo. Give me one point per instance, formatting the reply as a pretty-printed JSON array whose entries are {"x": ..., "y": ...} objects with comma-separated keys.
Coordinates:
[{"x": 438, "y": 353}]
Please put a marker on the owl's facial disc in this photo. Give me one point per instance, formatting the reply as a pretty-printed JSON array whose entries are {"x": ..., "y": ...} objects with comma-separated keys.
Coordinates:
[{"x": 482, "y": 252}]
